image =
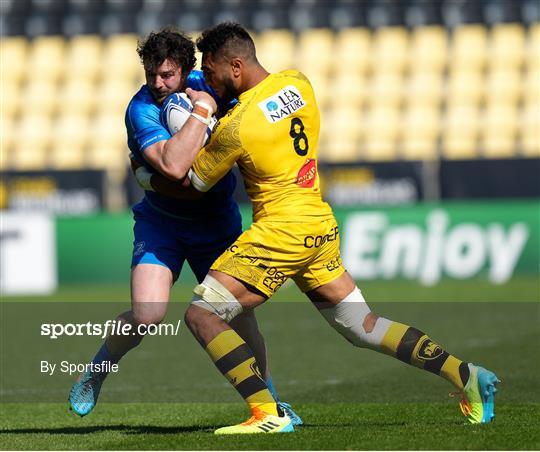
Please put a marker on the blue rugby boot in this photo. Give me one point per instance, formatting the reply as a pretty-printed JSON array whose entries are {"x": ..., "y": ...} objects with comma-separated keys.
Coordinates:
[
  {"x": 287, "y": 409},
  {"x": 84, "y": 393},
  {"x": 478, "y": 403}
]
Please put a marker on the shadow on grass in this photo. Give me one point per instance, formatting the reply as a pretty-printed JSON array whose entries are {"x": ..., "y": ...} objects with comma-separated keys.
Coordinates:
[{"x": 126, "y": 429}]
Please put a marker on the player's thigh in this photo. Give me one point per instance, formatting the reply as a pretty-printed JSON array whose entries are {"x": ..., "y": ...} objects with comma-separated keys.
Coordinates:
[
  {"x": 325, "y": 269},
  {"x": 265, "y": 256}
]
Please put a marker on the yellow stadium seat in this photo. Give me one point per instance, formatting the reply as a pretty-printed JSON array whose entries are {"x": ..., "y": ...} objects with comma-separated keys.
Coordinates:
[
  {"x": 348, "y": 88},
  {"x": 108, "y": 142},
  {"x": 46, "y": 58},
  {"x": 70, "y": 135},
  {"x": 320, "y": 87},
  {"x": 530, "y": 130},
  {"x": 469, "y": 47},
  {"x": 507, "y": 46},
  {"x": 533, "y": 48},
  {"x": 276, "y": 50},
  {"x": 114, "y": 95},
  {"x": 381, "y": 132},
  {"x": 504, "y": 86},
  {"x": 315, "y": 50},
  {"x": 77, "y": 96},
  {"x": 424, "y": 88},
  {"x": 499, "y": 131},
  {"x": 120, "y": 57},
  {"x": 352, "y": 50},
  {"x": 14, "y": 53},
  {"x": 464, "y": 86},
  {"x": 419, "y": 133},
  {"x": 38, "y": 97},
  {"x": 10, "y": 98},
  {"x": 385, "y": 89},
  {"x": 429, "y": 49},
  {"x": 532, "y": 86},
  {"x": 84, "y": 54},
  {"x": 32, "y": 134},
  {"x": 6, "y": 140},
  {"x": 390, "y": 49},
  {"x": 461, "y": 132},
  {"x": 341, "y": 129}
]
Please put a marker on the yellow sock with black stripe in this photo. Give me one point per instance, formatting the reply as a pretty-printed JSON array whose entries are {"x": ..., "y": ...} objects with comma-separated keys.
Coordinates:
[
  {"x": 235, "y": 360},
  {"x": 414, "y": 347}
]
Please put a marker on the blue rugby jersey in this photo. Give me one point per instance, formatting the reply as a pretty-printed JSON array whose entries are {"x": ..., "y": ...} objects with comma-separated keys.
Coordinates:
[{"x": 144, "y": 129}]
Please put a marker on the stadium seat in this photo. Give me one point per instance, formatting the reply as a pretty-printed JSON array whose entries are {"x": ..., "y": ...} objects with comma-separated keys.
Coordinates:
[
  {"x": 499, "y": 130},
  {"x": 464, "y": 86},
  {"x": 533, "y": 48},
  {"x": 385, "y": 89},
  {"x": 77, "y": 96},
  {"x": 120, "y": 57},
  {"x": 321, "y": 88},
  {"x": 530, "y": 130},
  {"x": 315, "y": 50},
  {"x": 507, "y": 46},
  {"x": 461, "y": 132},
  {"x": 352, "y": 50},
  {"x": 419, "y": 132},
  {"x": 348, "y": 88},
  {"x": 10, "y": 98},
  {"x": 424, "y": 88},
  {"x": 108, "y": 142},
  {"x": 70, "y": 134},
  {"x": 39, "y": 95},
  {"x": 6, "y": 140},
  {"x": 390, "y": 50},
  {"x": 503, "y": 85},
  {"x": 275, "y": 50},
  {"x": 14, "y": 59},
  {"x": 84, "y": 56},
  {"x": 341, "y": 129},
  {"x": 429, "y": 49},
  {"x": 47, "y": 58},
  {"x": 381, "y": 131},
  {"x": 532, "y": 86},
  {"x": 29, "y": 149},
  {"x": 113, "y": 95},
  {"x": 468, "y": 47}
]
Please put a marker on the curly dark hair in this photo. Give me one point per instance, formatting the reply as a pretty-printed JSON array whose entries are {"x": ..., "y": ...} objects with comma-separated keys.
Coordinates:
[
  {"x": 167, "y": 43},
  {"x": 227, "y": 39}
]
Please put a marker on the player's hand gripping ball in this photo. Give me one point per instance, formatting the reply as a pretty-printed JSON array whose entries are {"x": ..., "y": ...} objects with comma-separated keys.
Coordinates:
[{"x": 175, "y": 112}]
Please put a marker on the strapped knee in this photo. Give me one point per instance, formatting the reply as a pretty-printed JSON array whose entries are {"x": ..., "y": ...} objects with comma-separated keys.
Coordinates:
[
  {"x": 349, "y": 317},
  {"x": 214, "y": 297}
]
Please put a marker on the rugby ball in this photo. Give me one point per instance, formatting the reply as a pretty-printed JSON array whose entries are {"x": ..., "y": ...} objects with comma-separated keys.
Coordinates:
[{"x": 175, "y": 112}]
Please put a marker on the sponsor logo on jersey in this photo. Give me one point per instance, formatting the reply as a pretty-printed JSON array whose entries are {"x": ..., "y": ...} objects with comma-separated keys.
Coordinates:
[
  {"x": 429, "y": 350},
  {"x": 139, "y": 248},
  {"x": 282, "y": 104},
  {"x": 307, "y": 174}
]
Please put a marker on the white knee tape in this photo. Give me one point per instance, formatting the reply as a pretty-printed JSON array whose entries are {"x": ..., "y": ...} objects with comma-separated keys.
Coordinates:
[
  {"x": 347, "y": 317},
  {"x": 214, "y": 297}
]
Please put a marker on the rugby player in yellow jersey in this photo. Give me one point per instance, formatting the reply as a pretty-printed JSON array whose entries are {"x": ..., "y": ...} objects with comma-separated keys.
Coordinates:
[{"x": 272, "y": 135}]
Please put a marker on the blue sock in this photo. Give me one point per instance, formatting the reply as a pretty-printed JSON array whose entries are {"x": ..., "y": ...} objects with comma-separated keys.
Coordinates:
[
  {"x": 102, "y": 356},
  {"x": 271, "y": 388}
]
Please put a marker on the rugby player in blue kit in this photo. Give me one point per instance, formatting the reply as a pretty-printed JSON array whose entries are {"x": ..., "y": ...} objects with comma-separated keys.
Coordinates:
[{"x": 173, "y": 223}]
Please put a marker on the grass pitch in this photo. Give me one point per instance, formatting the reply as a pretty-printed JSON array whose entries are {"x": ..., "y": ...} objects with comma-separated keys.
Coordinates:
[{"x": 168, "y": 395}]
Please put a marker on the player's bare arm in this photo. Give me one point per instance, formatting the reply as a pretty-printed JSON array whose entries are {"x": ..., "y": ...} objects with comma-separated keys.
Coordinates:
[
  {"x": 175, "y": 189},
  {"x": 173, "y": 158}
]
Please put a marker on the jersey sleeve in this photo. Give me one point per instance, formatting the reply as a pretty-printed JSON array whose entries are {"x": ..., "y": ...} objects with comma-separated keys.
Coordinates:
[
  {"x": 217, "y": 158},
  {"x": 146, "y": 126}
]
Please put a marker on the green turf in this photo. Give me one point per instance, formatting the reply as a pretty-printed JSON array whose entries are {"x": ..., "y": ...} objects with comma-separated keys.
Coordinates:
[
  {"x": 350, "y": 398},
  {"x": 522, "y": 288},
  {"x": 328, "y": 426}
]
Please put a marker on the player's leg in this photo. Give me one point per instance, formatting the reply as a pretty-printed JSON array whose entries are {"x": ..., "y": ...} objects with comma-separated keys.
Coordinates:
[
  {"x": 156, "y": 263},
  {"x": 342, "y": 305},
  {"x": 217, "y": 301}
]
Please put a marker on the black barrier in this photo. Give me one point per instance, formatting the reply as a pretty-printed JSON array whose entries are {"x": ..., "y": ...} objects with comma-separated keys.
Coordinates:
[
  {"x": 482, "y": 179},
  {"x": 73, "y": 192}
]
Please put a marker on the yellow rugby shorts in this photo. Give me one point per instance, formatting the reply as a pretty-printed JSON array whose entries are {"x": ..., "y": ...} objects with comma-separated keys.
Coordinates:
[{"x": 270, "y": 252}]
